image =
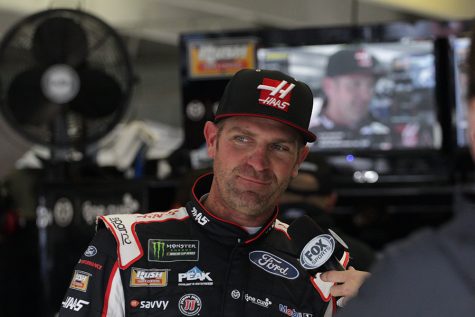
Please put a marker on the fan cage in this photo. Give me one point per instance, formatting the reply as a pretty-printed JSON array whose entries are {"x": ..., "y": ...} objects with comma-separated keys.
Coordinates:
[{"x": 106, "y": 52}]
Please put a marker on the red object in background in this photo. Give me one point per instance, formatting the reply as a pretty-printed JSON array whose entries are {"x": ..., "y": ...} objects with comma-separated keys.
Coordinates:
[{"x": 9, "y": 222}]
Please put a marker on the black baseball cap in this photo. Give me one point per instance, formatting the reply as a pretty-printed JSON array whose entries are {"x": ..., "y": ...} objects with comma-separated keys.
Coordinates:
[
  {"x": 352, "y": 61},
  {"x": 268, "y": 94}
]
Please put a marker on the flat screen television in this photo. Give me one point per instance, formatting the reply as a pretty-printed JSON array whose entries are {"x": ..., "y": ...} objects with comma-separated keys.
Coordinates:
[
  {"x": 400, "y": 99},
  {"x": 410, "y": 105}
]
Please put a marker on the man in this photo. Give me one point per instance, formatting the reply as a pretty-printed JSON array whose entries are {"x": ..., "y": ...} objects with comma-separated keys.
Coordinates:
[
  {"x": 430, "y": 274},
  {"x": 312, "y": 193},
  {"x": 345, "y": 119},
  {"x": 224, "y": 254}
]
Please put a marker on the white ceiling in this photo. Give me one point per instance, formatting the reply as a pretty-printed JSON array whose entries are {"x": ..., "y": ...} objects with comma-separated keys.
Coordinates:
[{"x": 163, "y": 20}]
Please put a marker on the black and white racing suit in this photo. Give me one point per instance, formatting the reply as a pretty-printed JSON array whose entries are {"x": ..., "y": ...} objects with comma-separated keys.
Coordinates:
[{"x": 187, "y": 262}]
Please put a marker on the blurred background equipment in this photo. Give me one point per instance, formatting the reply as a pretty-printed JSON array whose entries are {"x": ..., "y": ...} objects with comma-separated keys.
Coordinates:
[{"x": 66, "y": 80}]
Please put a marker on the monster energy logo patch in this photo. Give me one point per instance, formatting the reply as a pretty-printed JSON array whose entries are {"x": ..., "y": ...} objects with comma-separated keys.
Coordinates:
[{"x": 162, "y": 250}]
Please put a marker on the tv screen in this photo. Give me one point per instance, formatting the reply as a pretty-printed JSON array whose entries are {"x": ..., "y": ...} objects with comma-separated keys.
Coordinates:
[{"x": 372, "y": 96}]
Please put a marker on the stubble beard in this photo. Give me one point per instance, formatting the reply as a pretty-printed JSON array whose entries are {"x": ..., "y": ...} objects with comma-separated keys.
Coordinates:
[{"x": 246, "y": 201}]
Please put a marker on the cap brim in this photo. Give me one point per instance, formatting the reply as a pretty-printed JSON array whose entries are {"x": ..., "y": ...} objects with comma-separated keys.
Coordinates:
[{"x": 307, "y": 135}]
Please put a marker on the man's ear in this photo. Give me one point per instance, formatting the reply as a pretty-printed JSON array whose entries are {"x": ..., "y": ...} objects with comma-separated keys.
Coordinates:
[
  {"x": 302, "y": 156},
  {"x": 211, "y": 136}
]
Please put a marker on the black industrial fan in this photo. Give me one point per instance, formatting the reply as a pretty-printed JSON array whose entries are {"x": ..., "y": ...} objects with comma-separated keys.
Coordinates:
[{"x": 66, "y": 78}]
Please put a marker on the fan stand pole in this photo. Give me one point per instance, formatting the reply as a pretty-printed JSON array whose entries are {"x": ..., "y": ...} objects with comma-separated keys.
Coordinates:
[{"x": 42, "y": 222}]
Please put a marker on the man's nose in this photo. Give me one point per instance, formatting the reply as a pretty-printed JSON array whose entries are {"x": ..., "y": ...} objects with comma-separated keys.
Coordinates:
[{"x": 259, "y": 158}]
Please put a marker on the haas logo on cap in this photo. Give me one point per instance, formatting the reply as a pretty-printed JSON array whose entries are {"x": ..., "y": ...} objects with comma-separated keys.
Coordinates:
[{"x": 275, "y": 93}]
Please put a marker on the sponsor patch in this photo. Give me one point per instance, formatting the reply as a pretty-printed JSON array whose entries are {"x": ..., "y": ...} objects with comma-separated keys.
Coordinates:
[
  {"x": 317, "y": 251},
  {"x": 148, "y": 277},
  {"x": 199, "y": 217},
  {"x": 74, "y": 303},
  {"x": 195, "y": 276},
  {"x": 91, "y": 251},
  {"x": 91, "y": 264},
  {"x": 149, "y": 304},
  {"x": 292, "y": 312},
  {"x": 119, "y": 226},
  {"x": 189, "y": 304},
  {"x": 162, "y": 250},
  {"x": 273, "y": 264},
  {"x": 266, "y": 303},
  {"x": 80, "y": 281},
  {"x": 235, "y": 294},
  {"x": 163, "y": 216}
]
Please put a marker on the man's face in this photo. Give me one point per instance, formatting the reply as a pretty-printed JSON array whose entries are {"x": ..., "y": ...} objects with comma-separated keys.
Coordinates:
[
  {"x": 254, "y": 160},
  {"x": 349, "y": 97}
]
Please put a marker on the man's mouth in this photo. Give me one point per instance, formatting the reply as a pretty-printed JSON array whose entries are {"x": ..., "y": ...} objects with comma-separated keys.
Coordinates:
[{"x": 253, "y": 180}]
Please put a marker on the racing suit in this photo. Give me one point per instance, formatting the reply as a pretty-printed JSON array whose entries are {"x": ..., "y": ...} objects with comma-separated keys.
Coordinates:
[{"x": 187, "y": 262}]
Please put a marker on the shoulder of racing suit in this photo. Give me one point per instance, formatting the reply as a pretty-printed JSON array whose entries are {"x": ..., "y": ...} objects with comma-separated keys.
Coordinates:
[{"x": 122, "y": 227}]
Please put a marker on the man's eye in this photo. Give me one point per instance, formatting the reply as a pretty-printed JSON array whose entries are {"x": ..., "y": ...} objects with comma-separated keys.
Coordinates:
[
  {"x": 280, "y": 147},
  {"x": 241, "y": 139}
]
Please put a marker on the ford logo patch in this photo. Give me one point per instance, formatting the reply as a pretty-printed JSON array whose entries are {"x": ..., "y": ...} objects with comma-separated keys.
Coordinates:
[{"x": 273, "y": 264}]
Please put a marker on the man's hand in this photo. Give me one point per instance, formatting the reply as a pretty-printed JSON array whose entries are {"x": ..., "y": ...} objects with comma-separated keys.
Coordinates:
[{"x": 347, "y": 283}]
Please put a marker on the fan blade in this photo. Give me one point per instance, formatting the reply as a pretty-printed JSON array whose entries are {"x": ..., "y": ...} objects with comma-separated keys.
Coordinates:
[
  {"x": 60, "y": 40},
  {"x": 99, "y": 96},
  {"x": 26, "y": 102}
]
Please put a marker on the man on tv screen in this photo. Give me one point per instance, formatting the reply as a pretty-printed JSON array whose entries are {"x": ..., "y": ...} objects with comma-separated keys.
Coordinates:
[{"x": 345, "y": 119}]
